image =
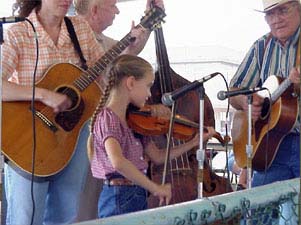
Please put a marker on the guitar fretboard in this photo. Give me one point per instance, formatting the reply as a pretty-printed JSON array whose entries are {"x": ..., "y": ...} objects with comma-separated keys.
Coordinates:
[
  {"x": 279, "y": 91},
  {"x": 88, "y": 76}
]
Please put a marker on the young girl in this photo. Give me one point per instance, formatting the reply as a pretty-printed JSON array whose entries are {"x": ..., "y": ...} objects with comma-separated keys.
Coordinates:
[{"x": 118, "y": 156}]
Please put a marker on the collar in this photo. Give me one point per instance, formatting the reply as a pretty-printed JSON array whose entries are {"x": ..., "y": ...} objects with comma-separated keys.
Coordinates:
[
  {"x": 43, "y": 35},
  {"x": 99, "y": 36},
  {"x": 292, "y": 40}
]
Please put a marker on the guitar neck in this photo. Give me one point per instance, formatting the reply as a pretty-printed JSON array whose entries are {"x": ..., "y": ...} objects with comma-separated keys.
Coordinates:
[
  {"x": 279, "y": 91},
  {"x": 92, "y": 73},
  {"x": 149, "y": 21}
]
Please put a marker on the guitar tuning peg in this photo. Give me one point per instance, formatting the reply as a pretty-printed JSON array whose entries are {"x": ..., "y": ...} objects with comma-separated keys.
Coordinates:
[
  {"x": 156, "y": 26},
  {"x": 294, "y": 94}
]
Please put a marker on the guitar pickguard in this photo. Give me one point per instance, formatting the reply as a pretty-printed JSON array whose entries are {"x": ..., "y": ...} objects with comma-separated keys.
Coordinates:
[
  {"x": 68, "y": 119},
  {"x": 264, "y": 118}
]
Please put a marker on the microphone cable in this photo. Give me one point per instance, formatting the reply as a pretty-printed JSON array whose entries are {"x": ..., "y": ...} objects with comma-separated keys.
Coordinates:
[
  {"x": 267, "y": 136},
  {"x": 227, "y": 133},
  {"x": 33, "y": 121}
]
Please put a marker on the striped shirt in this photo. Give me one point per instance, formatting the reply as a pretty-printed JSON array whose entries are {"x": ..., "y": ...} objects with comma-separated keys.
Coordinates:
[
  {"x": 108, "y": 125},
  {"x": 19, "y": 49},
  {"x": 266, "y": 57}
]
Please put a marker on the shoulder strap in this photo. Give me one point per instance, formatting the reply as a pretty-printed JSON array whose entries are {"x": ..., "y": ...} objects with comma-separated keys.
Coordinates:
[{"x": 75, "y": 42}]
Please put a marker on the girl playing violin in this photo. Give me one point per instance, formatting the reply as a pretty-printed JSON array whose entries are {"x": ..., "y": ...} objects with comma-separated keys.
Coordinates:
[{"x": 118, "y": 154}]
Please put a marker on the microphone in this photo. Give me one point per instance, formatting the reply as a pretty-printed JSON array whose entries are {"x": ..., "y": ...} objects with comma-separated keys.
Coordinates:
[
  {"x": 222, "y": 95},
  {"x": 11, "y": 19},
  {"x": 169, "y": 98}
]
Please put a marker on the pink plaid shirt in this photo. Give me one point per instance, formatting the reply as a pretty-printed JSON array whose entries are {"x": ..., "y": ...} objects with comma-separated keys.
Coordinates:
[
  {"x": 108, "y": 125},
  {"x": 19, "y": 49}
]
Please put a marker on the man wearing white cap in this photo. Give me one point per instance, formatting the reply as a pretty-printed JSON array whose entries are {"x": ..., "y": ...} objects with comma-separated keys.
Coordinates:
[{"x": 273, "y": 54}]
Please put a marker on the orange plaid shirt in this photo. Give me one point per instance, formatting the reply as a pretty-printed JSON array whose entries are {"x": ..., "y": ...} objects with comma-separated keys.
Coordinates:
[{"x": 19, "y": 49}]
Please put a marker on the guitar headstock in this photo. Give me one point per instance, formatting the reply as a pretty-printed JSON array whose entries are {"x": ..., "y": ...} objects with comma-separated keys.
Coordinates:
[{"x": 152, "y": 18}]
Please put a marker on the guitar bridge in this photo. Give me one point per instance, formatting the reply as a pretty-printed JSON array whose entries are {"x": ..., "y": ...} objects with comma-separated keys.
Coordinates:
[{"x": 46, "y": 121}]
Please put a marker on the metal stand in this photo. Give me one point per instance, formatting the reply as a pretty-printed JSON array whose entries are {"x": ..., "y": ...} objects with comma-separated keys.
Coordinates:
[
  {"x": 200, "y": 155},
  {"x": 167, "y": 155},
  {"x": 298, "y": 62},
  {"x": 249, "y": 146},
  {"x": 1, "y": 42},
  {"x": 249, "y": 150},
  {"x": 1, "y": 156}
]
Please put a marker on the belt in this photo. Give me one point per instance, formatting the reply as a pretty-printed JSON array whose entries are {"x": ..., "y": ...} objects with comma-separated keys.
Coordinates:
[{"x": 119, "y": 182}]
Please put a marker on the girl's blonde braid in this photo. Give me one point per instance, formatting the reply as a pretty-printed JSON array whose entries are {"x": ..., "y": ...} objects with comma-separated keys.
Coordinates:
[{"x": 101, "y": 104}]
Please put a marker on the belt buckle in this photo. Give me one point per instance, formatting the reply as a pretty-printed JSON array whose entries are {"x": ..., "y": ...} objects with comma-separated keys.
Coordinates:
[{"x": 119, "y": 182}]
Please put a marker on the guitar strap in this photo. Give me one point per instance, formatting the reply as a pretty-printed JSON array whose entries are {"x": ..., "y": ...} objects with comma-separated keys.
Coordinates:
[{"x": 75, "y": 42}]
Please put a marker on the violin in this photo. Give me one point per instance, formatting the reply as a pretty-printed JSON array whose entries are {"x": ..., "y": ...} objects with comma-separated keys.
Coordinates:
[{"x": 144, "y": 123}]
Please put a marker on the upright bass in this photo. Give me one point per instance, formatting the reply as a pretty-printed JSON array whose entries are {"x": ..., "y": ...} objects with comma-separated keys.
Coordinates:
[{"x": 183, "y": 170}]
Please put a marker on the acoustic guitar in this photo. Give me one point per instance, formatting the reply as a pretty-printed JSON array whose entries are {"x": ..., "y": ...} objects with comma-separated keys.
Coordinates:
[
  {"x": 56, "y": 135},
  {"x": 278, "y": 117}
]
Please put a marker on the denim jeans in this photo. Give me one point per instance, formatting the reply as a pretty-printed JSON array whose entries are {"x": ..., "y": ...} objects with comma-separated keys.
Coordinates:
[
  {"x": 116, "y": 200},
  {"x": 56, "y": 198},
  {"x": 286, "y": 165}
]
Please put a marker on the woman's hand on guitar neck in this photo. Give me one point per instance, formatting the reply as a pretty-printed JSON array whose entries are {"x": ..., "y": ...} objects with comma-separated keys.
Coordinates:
[{"x": 58, "y": 102}]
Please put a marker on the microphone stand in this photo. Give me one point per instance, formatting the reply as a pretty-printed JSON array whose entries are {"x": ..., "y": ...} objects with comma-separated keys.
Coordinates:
[
  {"x": 249, "y": 146},
  {"x": 170, "y": 131},
  {"x": 249, "y": 150},
  {"x": 298, "y": 62},
  {"x": 200, "y": 154},
  {"x": 1, "y": 156}
]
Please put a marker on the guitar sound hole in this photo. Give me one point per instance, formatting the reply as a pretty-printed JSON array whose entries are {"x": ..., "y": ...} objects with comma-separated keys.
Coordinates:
[
  {"x": 71, "y": 93},
  {"x": 265, "y": 111},
  {"x": 69, "y": 119}
]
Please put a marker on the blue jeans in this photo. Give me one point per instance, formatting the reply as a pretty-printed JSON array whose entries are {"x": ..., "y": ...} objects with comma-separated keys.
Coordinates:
[
  {"x": 116, "y": 200},
  {"x": 56, "y": 198},
  {"x": 286, "y": 165}
]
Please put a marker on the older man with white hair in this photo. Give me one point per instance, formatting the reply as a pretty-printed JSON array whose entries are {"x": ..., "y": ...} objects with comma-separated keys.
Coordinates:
[
  {"x": 100, "y": 14},
  {"x": 274, "y": 54}
]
